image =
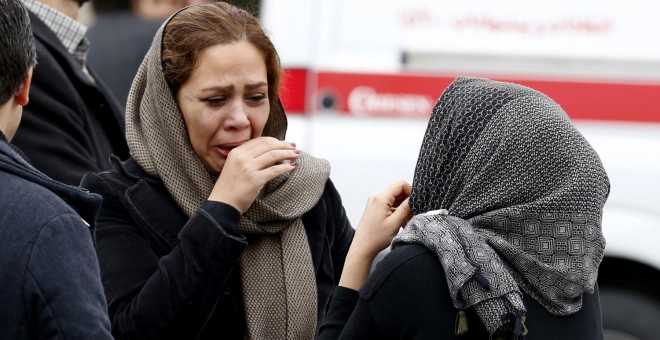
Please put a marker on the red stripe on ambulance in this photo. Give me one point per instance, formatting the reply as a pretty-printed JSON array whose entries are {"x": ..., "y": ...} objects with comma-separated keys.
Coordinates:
[{"x": 413, "y": 95}]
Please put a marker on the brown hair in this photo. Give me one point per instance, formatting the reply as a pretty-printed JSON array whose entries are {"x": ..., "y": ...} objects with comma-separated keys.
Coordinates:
[{"x": 199, "y": 27}]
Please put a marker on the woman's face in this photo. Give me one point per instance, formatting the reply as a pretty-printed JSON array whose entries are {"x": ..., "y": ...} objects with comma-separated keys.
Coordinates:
[{"x": 225, "y": 101}]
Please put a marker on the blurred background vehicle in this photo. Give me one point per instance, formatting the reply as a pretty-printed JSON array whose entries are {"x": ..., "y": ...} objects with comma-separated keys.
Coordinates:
[{"x": 362, "y": 76}]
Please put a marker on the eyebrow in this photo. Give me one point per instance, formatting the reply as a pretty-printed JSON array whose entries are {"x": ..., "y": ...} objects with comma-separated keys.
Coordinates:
[{"x": 231, "y": 87}]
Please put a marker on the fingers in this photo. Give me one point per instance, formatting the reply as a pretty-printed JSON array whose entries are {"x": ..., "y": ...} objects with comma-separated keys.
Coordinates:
[
  {"x": 249, "y": 167},
  {"x": 273, "y": 157},
  {"x": 389, "y": 207},
  {"x": 401, "y": 214},
  {"x": 397, "y": 192},
  {"x": 374, "y": 233},
  {"x": 260, "y": 145},
  {"x": 277, "y": 170},
  {"x": 264, "y": 152}
]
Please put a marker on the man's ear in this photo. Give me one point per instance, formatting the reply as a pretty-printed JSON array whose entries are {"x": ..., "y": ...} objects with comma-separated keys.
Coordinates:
[{"x": 23, "y": 95}]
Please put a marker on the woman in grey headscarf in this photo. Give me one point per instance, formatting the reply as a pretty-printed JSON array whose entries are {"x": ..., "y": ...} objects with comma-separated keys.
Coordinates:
[
  {"x": 506, "y": 237},
  {"x": 215, "y": 228}
]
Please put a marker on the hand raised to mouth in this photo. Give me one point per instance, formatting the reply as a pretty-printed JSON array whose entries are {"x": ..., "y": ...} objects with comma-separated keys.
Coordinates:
[{"x": 249, "y": 166}]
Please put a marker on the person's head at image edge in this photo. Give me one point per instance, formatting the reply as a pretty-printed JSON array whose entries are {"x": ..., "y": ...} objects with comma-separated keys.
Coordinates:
[
  {"x": 17, "y": 60},
  {"x": 51, "y": 286}
]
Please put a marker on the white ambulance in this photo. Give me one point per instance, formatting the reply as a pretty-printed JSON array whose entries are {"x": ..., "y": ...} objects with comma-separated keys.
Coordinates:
[{"x": 362, "y": 76}]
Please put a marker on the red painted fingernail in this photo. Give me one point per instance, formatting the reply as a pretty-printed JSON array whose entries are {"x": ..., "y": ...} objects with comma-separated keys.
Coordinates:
[
  {"x": 292, "y": 144},
  {"x": 293, "y": 163},
  {"x": 296, "y": 151}
]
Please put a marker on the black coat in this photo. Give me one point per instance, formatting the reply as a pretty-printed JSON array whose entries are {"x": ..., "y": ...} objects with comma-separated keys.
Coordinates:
[
  {"x": 167, "y": 276},
  {"x": 407, "y": 297},
  {"x": 72, "y": 124}
]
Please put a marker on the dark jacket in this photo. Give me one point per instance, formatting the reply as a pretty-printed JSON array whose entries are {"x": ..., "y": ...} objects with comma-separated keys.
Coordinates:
[
  {"x": 72, "y": 124},
  {"x": 49, "y": 275},
  {"x": 407, "y": 297},
  {"x": 170, "y": 277}
]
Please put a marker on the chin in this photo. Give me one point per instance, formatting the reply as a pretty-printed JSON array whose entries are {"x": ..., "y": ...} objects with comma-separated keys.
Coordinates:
[{"x": 215, "y": 169}]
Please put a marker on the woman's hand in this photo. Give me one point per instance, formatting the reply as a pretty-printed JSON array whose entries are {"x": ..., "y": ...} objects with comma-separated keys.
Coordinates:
[
  {"x": 385, "y": 213},
  {"x": 249, "y": 167}
]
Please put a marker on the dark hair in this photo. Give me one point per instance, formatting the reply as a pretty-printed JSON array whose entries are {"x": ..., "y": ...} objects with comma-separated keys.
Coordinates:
[
  {"x": 104, "y": 6},
  {"x": 198, "y": 27},
  {"x": 17, "y": 51}
]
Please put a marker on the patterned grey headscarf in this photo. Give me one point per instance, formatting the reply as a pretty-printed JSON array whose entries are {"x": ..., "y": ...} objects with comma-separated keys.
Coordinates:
[
  {"x": 509, "y": 195},
  {"x": 277, "y": 274}
]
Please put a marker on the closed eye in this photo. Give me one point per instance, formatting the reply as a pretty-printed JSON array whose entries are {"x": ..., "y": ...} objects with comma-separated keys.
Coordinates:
[
  {"x": 257, "y": 99},
  {"x": 215, "y": 101}
]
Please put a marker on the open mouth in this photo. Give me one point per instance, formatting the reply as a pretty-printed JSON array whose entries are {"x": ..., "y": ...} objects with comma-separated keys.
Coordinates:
[
  {"x": 227, "y": 148},
  {"x": 224, "y": 149}
]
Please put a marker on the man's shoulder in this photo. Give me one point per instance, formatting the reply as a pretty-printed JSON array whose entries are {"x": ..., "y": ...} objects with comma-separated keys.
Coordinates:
[
  {"x": 16, "y": 185},
  {"x": 53, "y": 80},
  {"x": 41, "y": 32},
  {"x": 28, "y": 200},
  {"x": 28, "y": 210},
  {"x": 54, "y": 62}
]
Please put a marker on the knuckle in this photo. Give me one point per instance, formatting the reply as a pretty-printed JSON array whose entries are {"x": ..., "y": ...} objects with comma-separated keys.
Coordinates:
[
  {"x": 274, "y": 156},
  {"x": 277, "y": 170},
  {"x": 373, "y": 198},
  {"x": 271, "y": 141}
]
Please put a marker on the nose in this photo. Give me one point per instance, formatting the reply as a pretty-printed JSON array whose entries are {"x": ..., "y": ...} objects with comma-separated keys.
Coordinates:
[{"x": 237, "y": 118}]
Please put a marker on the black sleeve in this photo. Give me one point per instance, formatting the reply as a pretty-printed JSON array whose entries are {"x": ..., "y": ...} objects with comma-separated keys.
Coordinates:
[
  {"x": 224, "y": 214},
  {"x": 343, "y": 235},
  {"x": 348, "y": 317},
  {"x": 340, "y": 308},
  {"x": 168, "y": 297},
  {"x": 330, "y": 235}
]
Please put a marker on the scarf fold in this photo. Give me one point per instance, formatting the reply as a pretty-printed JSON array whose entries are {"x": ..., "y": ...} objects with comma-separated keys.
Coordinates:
[
  {"x": 522, "y": 194},
  {"x": 278, "y": 280},
  {"x": 277, "y": 274}
]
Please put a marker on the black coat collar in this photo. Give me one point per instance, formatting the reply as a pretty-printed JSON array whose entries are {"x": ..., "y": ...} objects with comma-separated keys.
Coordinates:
[{"x": 151, "y": 205}]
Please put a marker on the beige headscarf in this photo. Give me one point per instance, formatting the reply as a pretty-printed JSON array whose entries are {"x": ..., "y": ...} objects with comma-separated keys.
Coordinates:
[{"x": 277, "y": 275}]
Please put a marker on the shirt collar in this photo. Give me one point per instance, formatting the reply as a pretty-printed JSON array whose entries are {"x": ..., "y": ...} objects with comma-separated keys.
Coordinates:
[{"x": 69, "y": 31}]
